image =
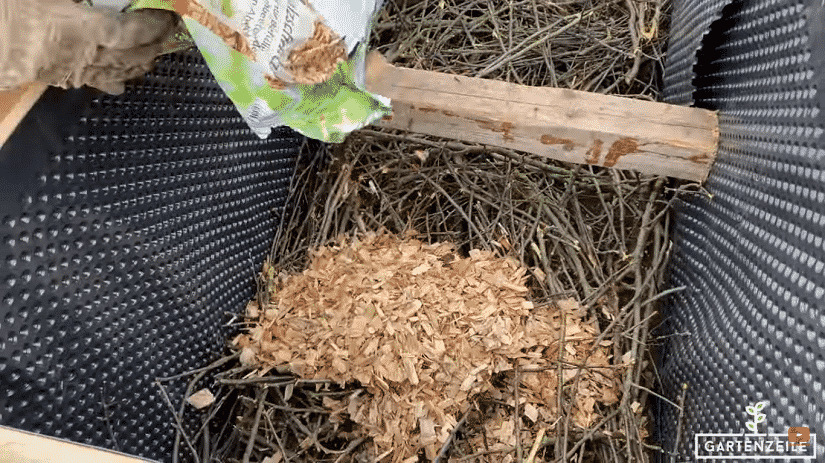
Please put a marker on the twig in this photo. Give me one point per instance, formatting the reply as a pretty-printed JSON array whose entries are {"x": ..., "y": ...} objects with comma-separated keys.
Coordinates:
[
  {"x": 178, "y": 423},
  {"x": 254, "y": 432},
  {"x": 679, "y": 422},
  {"x": 540, "y": 33},
  {"x": 634, "y": 37},
  {"x": 516, "y": 413},
  {"x": 215, "y": 407},
  {"x": 352, "y": 446},
  {"x": 190, "y": 388},
  {"x": 455, "y": 204},
  {"x": 107, "y": 416},
  {"x": 564, "y": 430},
  {"x": 446, "y": 447},
  {"x": 589, "y": 434},
  {"x": 272, "y": 406},
  {"x": 211, "y": 366},
  {"x": 206, "y": 449},
  {"x": 545, "y": 441},
  {"x": 664, "y": 293},
  {"x": 536, "y": 444},
  {"x": 679, "y": 407},
  {"x": 277, "y": 380},
  {"x": 277, "y": 439}
]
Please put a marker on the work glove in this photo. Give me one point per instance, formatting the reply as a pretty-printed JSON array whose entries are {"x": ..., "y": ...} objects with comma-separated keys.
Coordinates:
[{"x": 68, "y": 44}]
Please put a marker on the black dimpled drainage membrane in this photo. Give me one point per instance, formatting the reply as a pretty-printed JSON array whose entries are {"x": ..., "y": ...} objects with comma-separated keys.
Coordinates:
[
  {"x": 129, "y": 227},
  {"x": 690, "y": 20},
  {"x": 750, "y": 325}
]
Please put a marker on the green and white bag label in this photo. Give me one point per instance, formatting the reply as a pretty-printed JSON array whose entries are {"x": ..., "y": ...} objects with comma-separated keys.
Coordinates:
[{"x": 286, "y": 62}]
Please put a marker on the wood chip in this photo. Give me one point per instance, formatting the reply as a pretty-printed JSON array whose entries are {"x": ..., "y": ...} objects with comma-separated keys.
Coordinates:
[
  {"x": 201, "y": 399},
  {"x": 424, "y": 334},
  {"x": 247, "y": 356},
  {"x": 530, "y": 411},
  {"x": 315, "y": 60}
]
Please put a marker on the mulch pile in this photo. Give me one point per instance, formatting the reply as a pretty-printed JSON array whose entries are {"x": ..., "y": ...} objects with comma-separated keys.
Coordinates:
[{"x": 426, "y": 332}]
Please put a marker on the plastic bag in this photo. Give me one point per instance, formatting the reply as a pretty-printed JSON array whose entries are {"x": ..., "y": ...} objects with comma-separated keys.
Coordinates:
[{"x": 288, "y": 62}]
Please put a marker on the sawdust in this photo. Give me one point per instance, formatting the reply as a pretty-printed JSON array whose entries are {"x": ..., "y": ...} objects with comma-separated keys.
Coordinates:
[
  {"x": 428, "y": 333},
  {"x": 315, "y": 60}
]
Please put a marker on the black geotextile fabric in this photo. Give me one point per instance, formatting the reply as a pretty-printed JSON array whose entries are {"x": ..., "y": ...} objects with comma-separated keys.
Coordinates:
[
  {"x": 750, "y": 324},
  {"x": 130, "y": 228}
]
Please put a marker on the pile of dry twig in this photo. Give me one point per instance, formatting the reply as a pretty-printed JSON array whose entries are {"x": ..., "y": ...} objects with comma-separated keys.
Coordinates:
[
  {"x": 613, "y": 46},
  {"x": 599, "y": 236}
]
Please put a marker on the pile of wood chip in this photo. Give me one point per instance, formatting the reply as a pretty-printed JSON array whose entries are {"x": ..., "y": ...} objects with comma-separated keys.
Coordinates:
[{"x": 427, "y": 332}]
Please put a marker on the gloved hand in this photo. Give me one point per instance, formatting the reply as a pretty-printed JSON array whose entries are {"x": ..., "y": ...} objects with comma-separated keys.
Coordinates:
[{"x": 67, "y": 44}]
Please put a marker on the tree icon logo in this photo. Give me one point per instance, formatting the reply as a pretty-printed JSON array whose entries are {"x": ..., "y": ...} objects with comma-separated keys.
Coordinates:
[{"x": 755, "y": 411}]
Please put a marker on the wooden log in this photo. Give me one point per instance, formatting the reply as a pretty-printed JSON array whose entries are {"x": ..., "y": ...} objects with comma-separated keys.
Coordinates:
[
  {"x": 18, "y": 446},
  {"x": 15, "y": 104},
  {"x": 567, "y": 125}
]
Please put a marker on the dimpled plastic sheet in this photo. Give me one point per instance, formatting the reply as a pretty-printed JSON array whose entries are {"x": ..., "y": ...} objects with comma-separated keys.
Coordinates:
[
  {"x": 750, "y": 324},
  {"x": 690, "y": 20},
  {"x": 130, "y": 227}
]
